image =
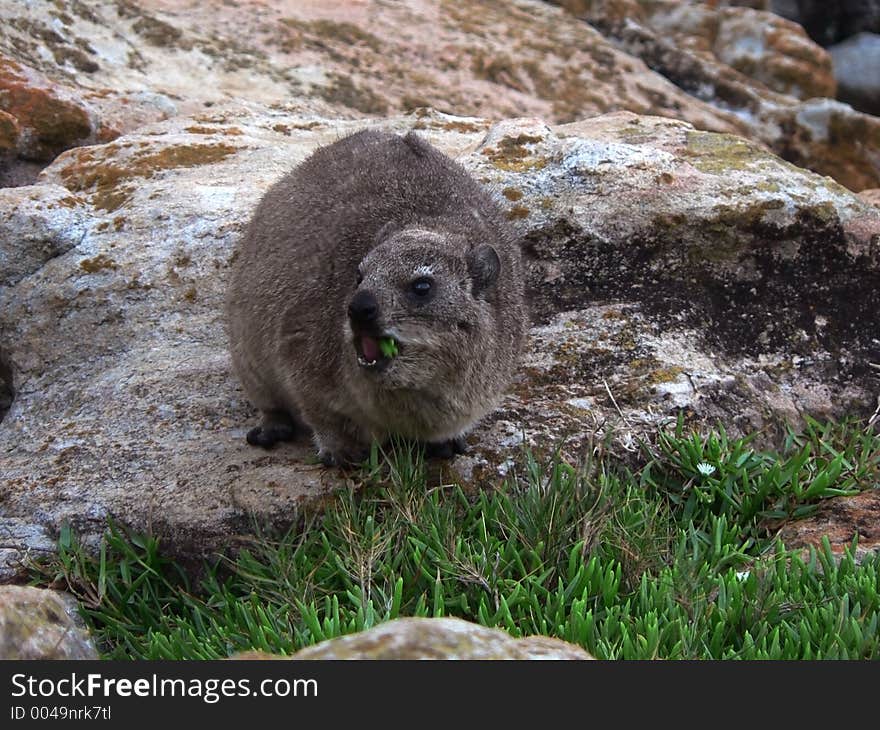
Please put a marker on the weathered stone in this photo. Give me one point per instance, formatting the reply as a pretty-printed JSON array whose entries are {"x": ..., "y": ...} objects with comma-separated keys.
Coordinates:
[
  {"x": 775, "y": 52},
  {"x": 434, "y": 638},
  {"x": 829, "y": 137},
  {"x": 857, "y": 69},
  {"x": 840, "y": 520},
  {"x": 36, "y": 623},
  {"x": 670, "y": 269}
]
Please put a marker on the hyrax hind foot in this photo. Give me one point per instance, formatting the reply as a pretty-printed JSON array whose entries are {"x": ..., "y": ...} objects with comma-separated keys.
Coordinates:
[
  {"x": 339, "y": 442},
  {"x": 276, "y": 426},
  {"x": 344, "y": 457},
  {"x": 446, "y": 449}
]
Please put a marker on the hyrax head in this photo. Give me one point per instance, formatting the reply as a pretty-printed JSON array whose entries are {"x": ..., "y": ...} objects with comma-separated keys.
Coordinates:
[{"x": 421, "y": 308}]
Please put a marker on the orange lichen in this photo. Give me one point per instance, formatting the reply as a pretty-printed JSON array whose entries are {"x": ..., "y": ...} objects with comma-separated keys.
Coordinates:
[
  {"x": 98, "y": 263},
  {"x": 110, "y": 185},
  {"x": 463, "y": 127},
  {"x": 512, "y": 155}
]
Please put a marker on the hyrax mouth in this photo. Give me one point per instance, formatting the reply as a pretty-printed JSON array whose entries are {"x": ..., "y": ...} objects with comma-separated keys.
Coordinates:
[{"x": 375, "y": 352}]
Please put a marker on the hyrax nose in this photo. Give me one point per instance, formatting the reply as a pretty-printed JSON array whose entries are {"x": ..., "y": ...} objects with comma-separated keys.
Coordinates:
[{"x": 363, "y": 308}]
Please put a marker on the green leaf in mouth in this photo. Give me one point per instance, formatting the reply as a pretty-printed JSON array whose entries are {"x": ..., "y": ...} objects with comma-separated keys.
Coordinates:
[{"x": 388, "y": 346}]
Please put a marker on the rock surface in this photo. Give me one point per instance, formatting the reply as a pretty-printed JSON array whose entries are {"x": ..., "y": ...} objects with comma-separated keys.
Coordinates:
[
  {"x": 669, "y": 269},
  {"x": 36, "y": 623},
  {"x": 725, "y": 69},
  {"x": 434, "y": 638}
]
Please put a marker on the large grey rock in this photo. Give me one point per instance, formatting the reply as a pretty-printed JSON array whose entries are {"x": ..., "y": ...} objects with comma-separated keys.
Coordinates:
[
  {"x": 857, "y": 69},
  {"x": 36, "y": 623},
  {"x": 670, "y": 269},
  {"x": 435, "y": 638}
]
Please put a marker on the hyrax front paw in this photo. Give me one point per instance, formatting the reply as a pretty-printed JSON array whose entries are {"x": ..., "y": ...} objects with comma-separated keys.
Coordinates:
[{"x": 276, "y": 426}]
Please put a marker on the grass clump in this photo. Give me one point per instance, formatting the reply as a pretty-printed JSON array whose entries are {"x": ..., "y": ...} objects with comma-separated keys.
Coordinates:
[{"x": 676, "y": 560}]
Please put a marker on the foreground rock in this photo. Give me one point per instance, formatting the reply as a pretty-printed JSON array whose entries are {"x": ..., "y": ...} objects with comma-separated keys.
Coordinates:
[
  {"x": 435, "y": 638},
  {"x": 729, "y": 69},
  {"x": 36, "y": 623},
  {"x": 670, "y": 270}
]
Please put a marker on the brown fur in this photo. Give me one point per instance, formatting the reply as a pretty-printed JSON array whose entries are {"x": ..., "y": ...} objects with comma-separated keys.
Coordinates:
[{"x": 386, "y": 208}]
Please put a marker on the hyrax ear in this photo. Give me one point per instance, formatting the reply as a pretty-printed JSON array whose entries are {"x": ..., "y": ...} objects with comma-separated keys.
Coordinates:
[
  {"x": 484, "y": 267},
  {"x": 389, "y": 229}
]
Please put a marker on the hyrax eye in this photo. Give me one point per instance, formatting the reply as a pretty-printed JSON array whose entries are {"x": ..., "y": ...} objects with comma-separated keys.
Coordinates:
[
  {"x": 360, "y": 278},
  {"x": 421, "y": 287}
]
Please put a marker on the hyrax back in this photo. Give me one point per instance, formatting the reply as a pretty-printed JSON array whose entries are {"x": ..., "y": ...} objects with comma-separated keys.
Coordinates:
[{"x": 378, "y": 291}]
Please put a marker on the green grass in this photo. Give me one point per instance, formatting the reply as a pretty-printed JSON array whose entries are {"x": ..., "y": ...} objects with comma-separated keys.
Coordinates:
[{"x": 677, "y": 559}]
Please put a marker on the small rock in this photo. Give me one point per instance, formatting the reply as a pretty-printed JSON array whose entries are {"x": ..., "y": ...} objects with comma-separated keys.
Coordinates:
[
  {"x": 775, "y": 52},
  {"x": 36, "y": 623},
  {"x": 857, "y": 69},
  {"x": 840, "y": 520},
  {"x": 434, "y": 638}
]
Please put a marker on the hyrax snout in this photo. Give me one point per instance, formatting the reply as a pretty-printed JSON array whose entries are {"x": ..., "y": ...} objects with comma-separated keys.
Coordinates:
[{"x": 378, "y": 291}]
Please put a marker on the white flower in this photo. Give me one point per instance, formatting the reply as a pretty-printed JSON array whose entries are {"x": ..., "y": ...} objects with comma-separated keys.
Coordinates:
[{"x": 705, "y": 469}]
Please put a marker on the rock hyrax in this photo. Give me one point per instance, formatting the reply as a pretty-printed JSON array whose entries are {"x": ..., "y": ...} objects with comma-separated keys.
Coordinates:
[{"x": 378, "y": 291}]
